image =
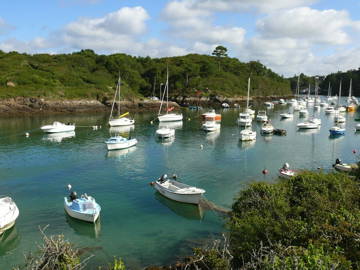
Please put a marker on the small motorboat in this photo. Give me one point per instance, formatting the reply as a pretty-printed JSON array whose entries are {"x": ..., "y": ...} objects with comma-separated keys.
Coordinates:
[
  {"x": 84, "y": 208},
  {"x": 342, "y": 167},
  {"x": 337, "y": 131},
  {"x": 244, "y": 120},
  {"x": 247, "y": 135},
  {"x": 58, "y": 127},
  {"x": 339, "y": 119},
  {"x": 165, "y": 132},
  {"x": 286, "y": 115},
  {"x": 330, "y": 110},
  {"x": 341, "y": 109},
  {"x": 357, "y": 127},
  {"x": 286, "y": 173},
  {"x": 267, "y": 128},
  {"x": 261, "y": 116},
  {"x": 177, "y": 191},
  {"x": 282, "y": 101},
  {"x": 118, "y": 142},
  {"x": 210, "y": 126},
  {"x": 211, "y": 116},
  {"x": 269, "y": 105},
  {"x": 311, "y": 124},
  {"x": 303, "y": 113},
  {"x": 9, "y": 212}
]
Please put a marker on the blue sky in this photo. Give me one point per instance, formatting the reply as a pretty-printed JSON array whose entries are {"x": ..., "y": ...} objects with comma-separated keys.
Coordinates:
[{"x": 288, "y": 36}]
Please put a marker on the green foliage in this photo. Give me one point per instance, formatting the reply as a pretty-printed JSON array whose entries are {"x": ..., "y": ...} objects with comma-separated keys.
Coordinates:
[
  {"x": 316, "y": 214},
  {"x": 85, "y": 74},
  {"x": 220, "y": 51},
  {"x": 118, "y": 264}
]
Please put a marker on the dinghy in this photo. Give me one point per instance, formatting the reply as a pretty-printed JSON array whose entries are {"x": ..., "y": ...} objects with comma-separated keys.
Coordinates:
[
  {"x": 57, "y": 127},
  {"x": 177, "y": 191},
  {"x": 342, "y": 167},
  {"x": 285, "y": 172},
  {"x": 337, "y": 131},
  {"x": 8, "y": 214},
  {"x": 84, "y": 208}
]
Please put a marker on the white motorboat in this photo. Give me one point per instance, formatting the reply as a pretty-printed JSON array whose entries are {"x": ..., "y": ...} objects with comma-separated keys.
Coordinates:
[
  {"x": 119, "y": 142},
  {"x": 330, "y": 110},
  {"x": 261, "y": 116},
  {"x": 282, "y": 101},
  {"x": 339, "y": 119},
  {"x": 269, "y": 105},
  {"x": 311, "y": 124},
  {"x": 341, "y": 109},
  {"x": 120, "y": 119},
  {"x": 337, "y": 131},
  {"x": 303, "y": 113},
  {"x": 286, "y": 115},
  {"x": 286, "y": 173},
  {"x": 9, "y": 212},
  {"x": 247, "y": 135},
  {"x": 357, "y": 127},
  {"x": 211, "y": 116},
  {"x": 57, "y": 127},
  {"x": 168, "y": 117},
  {"x": 267, "y": 128},
  {"x": 178, "y": 191},
  {"x": 84, "y": 208},
  {"x": 244, "y": 120},
  {"x": 210, "y": 126},
  {"x": 165, "y": 132}
]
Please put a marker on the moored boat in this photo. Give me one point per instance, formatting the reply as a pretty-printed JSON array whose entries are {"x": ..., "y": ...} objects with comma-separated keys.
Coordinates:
[
  {"x": 286, "y": 173},
  {"x": 57, "y": 127},
  {"x": 210, "y": 126},
  {"x": 261, "y": 116},
  {"x": 337, "y": 131},
  {"x": 247, "y": 135},
  {"x": 165, "y": 132},
  {"x": 118, "y": 142},
  {"x": 178, "y": 191},
  {"x": 9, "y": 212},
  {"x": 267, "y": 128},
  {"x": 211, "y": 116},
  {"x": 84, "y": 208}
]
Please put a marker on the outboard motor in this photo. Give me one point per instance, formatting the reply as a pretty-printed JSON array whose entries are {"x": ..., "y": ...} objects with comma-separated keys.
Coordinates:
[
  {"x": 286, "y": 166},
  {"x": 338, "y": 161},
  {"x": 73, "y": 195},
  {"x": 163, "y": 178},
  {"x": 174, "y": 176}
]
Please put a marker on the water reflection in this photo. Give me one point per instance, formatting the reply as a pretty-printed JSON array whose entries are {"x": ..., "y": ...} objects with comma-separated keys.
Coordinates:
[
  {"x": 58, "y": 137},
  {"x": 122, "y": 129},
  {"x": 246, "y": 144},
  {"x": 120, "y": 153},
  {"x": 91, "y": 230},
  {"x": 9, "y": 240},
  {"x": 166, "y": 141},
  {"x": 308, "y": 131},
  {"x": 186, "y": 210},
  {"x": 174, "y": 125},
  {"x": 212, "y": 136}
]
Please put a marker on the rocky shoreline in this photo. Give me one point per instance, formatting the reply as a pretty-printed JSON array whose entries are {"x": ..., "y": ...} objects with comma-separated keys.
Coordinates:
[{"x": 28, "y": 105}]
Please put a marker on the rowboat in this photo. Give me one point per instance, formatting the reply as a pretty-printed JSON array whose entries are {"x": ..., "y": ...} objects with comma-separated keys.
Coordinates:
[{"x": 178, "y": 191}]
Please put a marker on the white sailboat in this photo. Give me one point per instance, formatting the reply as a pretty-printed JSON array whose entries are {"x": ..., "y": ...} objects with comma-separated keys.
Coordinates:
[
  {"x": 245, "y": 118},
  {"x": 119, "y": 120},
  {"x": 168, "y": 117}
]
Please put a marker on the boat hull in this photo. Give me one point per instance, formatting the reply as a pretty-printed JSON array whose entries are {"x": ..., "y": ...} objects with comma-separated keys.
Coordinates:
[
  {"x": 123, "y": 145},
  {"x": 170, "y": 117},
  {"x": 120, "y": 122},
  {"x": 81, "y": 216},
  {"x": 185, "y": 198},
  {"x": 343, "y": 167},
  {"x": 59, "y": 129}
]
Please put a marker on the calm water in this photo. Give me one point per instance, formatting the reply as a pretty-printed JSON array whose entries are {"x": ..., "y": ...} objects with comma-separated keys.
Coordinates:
[{"x": 136, "y": 223}]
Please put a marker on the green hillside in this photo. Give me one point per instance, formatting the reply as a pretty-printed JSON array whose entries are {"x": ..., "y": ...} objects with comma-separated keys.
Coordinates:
[{"x": 85, "y": 74}]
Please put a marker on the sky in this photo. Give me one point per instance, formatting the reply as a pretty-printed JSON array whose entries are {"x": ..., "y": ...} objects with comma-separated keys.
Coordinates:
[{"x": 314, "y": 37}]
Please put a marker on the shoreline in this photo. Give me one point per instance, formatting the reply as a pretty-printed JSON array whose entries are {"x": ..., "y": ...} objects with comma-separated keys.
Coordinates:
[{"x": 20, "y": 105}]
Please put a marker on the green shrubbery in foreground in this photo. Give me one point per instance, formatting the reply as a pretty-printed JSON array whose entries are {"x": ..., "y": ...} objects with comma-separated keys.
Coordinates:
[{"x": 311, "y": 221}]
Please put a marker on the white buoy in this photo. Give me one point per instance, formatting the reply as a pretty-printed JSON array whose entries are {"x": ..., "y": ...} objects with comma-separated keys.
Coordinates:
[
  {"x": 69, "y": 186},
  {"x": 27, "y": 134},
  {"x": 201, "y": 146},
  {"x": 151, "y": 122}
]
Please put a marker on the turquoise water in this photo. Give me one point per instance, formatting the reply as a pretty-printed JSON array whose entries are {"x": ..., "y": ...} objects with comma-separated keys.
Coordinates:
[{"x": 137, "y": 223}]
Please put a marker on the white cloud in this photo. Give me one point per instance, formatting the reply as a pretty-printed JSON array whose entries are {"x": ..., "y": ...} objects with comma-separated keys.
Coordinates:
[{"x": 326, "y": 26}]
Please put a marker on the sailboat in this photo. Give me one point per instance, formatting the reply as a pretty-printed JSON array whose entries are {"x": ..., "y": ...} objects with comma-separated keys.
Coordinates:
[
  {"x": 340, "y": 109},
  {"x": 245, "y": 118},
  {"x": 351, "y": 107},
  {"x": 119, "y": 120},
  {"x": 168, "y": 117}
]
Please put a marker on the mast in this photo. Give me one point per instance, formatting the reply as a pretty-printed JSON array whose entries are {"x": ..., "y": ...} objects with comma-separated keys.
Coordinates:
[
  {"x": 113, "y": 104},
  {"x": 329, "y": 90},
  {"x": 309, "y": 92},
  {"x": 119, "y": 83},
  {"x": 297, "y": 88},
  {"x": 350, "y": 89},
  {"x": 248, "y": 94},
  {"x": 339, "y": 94},
  {"x": 167, "y": 89}
]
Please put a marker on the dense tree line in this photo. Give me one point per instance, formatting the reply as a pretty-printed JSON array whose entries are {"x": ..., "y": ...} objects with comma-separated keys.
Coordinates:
[{"x": 85, "y": 74}]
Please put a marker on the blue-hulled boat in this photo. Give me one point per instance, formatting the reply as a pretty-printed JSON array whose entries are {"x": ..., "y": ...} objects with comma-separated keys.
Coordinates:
[{"x": 337, "y": 131}]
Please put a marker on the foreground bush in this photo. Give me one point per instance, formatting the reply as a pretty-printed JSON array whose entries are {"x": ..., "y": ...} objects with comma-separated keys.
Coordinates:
[{"x": 314, "y": 218}]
